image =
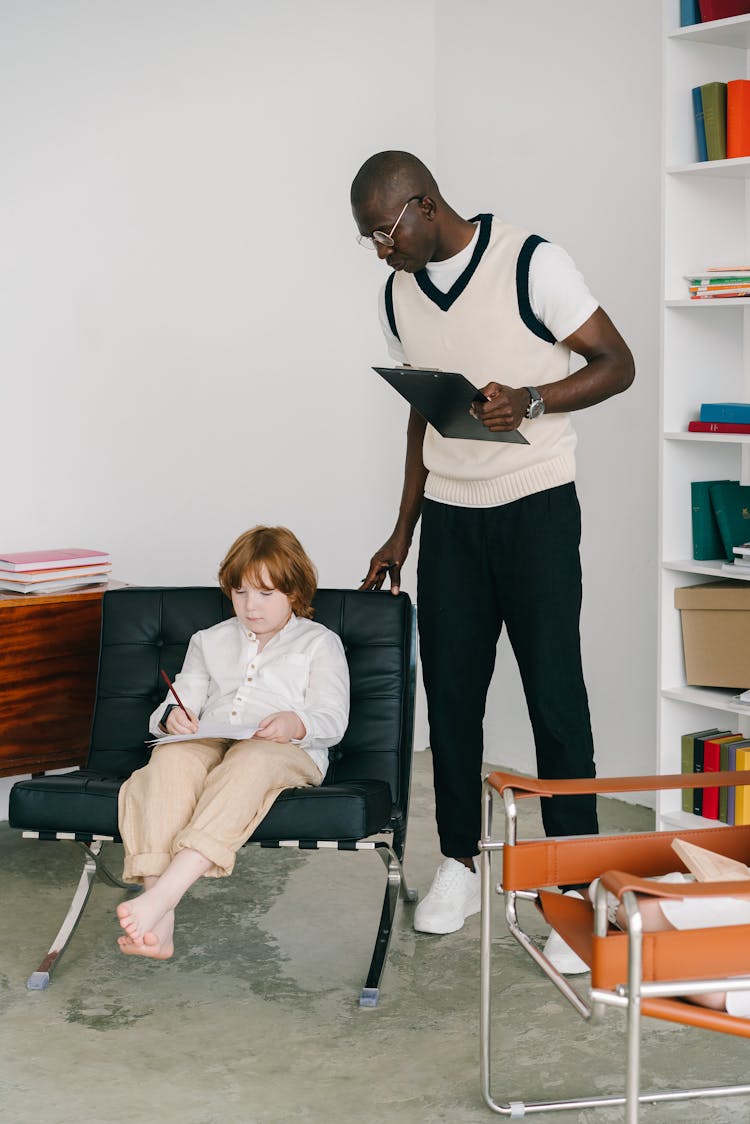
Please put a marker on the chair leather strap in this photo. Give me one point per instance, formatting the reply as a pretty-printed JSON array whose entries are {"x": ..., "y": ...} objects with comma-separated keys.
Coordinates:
[{"x": 534, "y": 786}]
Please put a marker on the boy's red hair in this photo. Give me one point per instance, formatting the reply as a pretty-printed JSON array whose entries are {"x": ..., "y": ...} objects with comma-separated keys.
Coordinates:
[{"x": 281, "y": 553}]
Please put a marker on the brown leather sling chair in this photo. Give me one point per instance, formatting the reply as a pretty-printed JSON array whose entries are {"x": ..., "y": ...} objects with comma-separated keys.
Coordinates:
[{"x": 643, "y": 973}]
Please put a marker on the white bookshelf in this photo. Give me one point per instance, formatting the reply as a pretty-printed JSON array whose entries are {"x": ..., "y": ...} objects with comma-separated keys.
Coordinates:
[{"x": 705, "y": 357}]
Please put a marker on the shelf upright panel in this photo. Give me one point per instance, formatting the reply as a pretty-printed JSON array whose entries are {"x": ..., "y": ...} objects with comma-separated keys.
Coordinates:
[{"x": 705, "y": 356}]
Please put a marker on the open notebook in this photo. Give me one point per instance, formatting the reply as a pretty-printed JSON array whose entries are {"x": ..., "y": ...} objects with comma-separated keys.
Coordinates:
[{"x": 209, "y": 729}]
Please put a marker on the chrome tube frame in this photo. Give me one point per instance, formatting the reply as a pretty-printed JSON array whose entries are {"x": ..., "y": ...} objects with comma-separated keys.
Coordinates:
[
  {"x": 93, "y": 866},
  {"x": 627, "y": 998}
]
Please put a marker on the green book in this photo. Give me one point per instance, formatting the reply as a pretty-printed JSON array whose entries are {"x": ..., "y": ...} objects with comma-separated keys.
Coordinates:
[
  {"x": 687, "y": 762},
  {"x": 706, "y": 538},
  {"x": 714, "y": 98},
  {"x": 731, "y": 504}
]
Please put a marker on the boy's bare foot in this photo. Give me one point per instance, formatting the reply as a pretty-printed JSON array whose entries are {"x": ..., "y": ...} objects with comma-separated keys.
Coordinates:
[
  {"x": 157, "y": 944},
  {"x": 142, "y": 915}
]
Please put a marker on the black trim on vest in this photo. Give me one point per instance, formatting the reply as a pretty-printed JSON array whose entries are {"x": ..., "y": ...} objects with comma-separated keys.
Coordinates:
[
  {"x": 389, "y": 307},
  {"x": 522, "y": 289},
  {"x": 445, "y": 300}
]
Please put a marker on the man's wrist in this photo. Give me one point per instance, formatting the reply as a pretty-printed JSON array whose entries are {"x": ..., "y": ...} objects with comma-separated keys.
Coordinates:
[{"x": 535, "y": 406}]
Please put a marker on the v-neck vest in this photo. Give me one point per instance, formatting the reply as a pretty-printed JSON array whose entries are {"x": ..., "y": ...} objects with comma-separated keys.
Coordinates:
[{"x": 485, "y": 328}]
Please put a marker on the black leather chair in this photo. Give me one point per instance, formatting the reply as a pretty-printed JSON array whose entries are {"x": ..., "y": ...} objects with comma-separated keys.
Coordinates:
[{"x": 361, "y": 805}]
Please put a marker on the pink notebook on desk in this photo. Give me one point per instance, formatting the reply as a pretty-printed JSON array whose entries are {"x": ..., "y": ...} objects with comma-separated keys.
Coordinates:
[{"x": 31, "y": 560}]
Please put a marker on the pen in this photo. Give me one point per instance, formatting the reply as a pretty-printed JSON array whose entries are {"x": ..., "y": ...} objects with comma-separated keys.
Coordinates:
[{"x": 179, "y": 700}]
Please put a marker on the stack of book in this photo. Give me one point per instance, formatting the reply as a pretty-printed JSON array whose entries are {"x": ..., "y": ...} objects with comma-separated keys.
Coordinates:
[
  {"x": 720, "y": 519},
  {"x": 722, "y": 417},
  {"x": 711, "y": 751},
  {"x": 722, "y": 119},
  {"x": 719, "y": 282},
  {"x": 47, "y": 571}
]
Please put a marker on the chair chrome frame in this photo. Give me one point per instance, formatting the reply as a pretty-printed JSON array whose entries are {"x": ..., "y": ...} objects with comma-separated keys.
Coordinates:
[
  {"x": 628, "y": 995},
  {"x": 388, "y": 841},
  {"x": 95, "y": 867}
]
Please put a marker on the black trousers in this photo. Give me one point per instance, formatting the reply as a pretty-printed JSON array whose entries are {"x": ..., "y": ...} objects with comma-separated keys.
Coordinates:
[{"x": 480, "y": 568}]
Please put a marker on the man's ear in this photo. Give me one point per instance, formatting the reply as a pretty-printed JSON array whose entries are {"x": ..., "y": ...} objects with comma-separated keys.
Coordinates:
[{"x": 428, "y": 207}]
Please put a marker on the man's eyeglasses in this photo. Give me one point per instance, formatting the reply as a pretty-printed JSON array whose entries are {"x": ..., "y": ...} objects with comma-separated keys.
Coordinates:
[{"x": 379, "y": 237}]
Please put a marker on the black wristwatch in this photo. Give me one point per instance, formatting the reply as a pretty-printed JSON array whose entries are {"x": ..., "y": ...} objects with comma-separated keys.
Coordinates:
[
  {"x": 163, "y": 720},
  {"x": 535, "y": 408}
]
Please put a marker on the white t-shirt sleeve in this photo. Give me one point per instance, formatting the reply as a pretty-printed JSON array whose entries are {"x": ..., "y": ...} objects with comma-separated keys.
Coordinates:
[
  {"x": 393, "y": 343},
  {"x": 558, "y": 294}
]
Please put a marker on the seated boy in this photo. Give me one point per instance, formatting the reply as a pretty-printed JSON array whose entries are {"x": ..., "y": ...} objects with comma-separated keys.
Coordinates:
[{"x": 270, "y": 669}]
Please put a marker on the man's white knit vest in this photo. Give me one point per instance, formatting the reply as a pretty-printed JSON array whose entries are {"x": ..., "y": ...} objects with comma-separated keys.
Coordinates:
[{"x": 484, "y": 328}]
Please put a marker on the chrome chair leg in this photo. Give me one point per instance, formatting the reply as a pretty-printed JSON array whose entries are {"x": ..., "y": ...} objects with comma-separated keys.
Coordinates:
[
  {"x": 396, "y": 887},
  {"x": 40, "y": 979}
]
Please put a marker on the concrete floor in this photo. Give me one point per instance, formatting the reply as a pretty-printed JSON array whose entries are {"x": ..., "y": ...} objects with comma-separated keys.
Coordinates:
[{"x": 255, "y": 1020}]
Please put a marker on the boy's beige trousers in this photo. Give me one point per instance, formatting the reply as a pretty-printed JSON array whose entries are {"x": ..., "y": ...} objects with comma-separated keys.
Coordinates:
[{"x": 208, "y": 795}]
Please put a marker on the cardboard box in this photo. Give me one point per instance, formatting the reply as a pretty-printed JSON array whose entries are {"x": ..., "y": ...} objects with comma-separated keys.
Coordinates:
[{"x": 716, "y": 633}]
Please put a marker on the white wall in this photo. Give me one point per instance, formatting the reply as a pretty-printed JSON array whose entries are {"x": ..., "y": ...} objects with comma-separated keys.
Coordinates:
[
  {"x": 188, "y": 322},
  {"x": 549, "y": 115}
]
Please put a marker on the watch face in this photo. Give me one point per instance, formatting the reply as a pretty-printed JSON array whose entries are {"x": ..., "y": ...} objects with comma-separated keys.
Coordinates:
[{"x": 536, "y": 408}]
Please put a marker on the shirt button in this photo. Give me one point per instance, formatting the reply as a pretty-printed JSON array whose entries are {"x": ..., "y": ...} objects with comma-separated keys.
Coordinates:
[
  {"x": 249, "y": 678},
  {"x": 234, "y": 712}
]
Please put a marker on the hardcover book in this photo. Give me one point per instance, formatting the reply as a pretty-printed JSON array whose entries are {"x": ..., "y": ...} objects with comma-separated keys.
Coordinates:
[
  {"x": 731, "y": 504},
  {"x": 738, "y": 118},
  {"x": 718, "y": 427},
  {"x": 687, "y": 762},
  {"x": 742, "y": 792},
  {"x": 689, "y": 13},
  {"x": 698, "y": 750},
  {"x": 711, "y": 764},
  {"x": 723, "y": 9},
  {"x": 714, "y": 97},
  {"x": 700, "y": 128},
  {"x": 732, "y": 748},
  {"x": 707, "y": 541},
  {"x": 735, "y": 412},
  {"x": 52, "y": 559},
  {"x": 59, "y": 586}
]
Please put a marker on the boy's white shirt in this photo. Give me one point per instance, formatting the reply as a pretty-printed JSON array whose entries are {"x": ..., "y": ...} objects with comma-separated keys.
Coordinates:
[
  {"x": 303, "y": 669},
  {"x": 558, "y": 293}
]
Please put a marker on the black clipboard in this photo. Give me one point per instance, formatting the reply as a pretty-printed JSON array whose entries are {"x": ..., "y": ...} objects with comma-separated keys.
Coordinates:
[{"x": 443, "y": 398}]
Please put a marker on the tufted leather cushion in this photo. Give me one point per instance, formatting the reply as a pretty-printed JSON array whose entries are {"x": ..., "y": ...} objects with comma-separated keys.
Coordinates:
[{"x": 145, "y": 630}]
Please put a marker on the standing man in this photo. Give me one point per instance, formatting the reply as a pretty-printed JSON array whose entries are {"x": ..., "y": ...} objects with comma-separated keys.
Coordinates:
[{"x": 500, "y": 522}]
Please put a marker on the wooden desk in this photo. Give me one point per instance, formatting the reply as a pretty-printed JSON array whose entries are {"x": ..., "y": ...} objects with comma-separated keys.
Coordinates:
[{"x": 49, "y": 653}]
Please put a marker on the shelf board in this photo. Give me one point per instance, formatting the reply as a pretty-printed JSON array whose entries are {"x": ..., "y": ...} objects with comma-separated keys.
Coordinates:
[
  {"x": 711, "y": 568},
  {"x": 732, "y": 32},
  {"x": 685, "y": 821},
  {"x": 715, "y": 698},
  {"x": 721, "y": 438},
  {"x": 736, "y": 169},
  {"x": 709, "y": 302}
]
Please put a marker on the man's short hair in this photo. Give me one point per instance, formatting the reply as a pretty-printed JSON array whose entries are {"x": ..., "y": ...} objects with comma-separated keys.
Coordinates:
[
  {"x": 285, "y": 560},
  {"x": 394, "y": 171}
]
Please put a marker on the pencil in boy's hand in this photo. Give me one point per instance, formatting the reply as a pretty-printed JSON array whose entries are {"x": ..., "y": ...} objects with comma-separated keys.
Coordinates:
[{"x": 168, "y": 681}]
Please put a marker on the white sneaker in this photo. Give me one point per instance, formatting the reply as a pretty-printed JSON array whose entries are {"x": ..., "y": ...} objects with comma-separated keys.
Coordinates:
[
  {"x": 453, "y": 896},
  {"x": 613, "y": 903},
  {"x": 560, "y": 954}
]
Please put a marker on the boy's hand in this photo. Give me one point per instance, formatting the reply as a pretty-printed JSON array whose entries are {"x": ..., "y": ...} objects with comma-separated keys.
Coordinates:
[
  {"x": 281, "y": 727},
  {"x": 178, "y": 723}
]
